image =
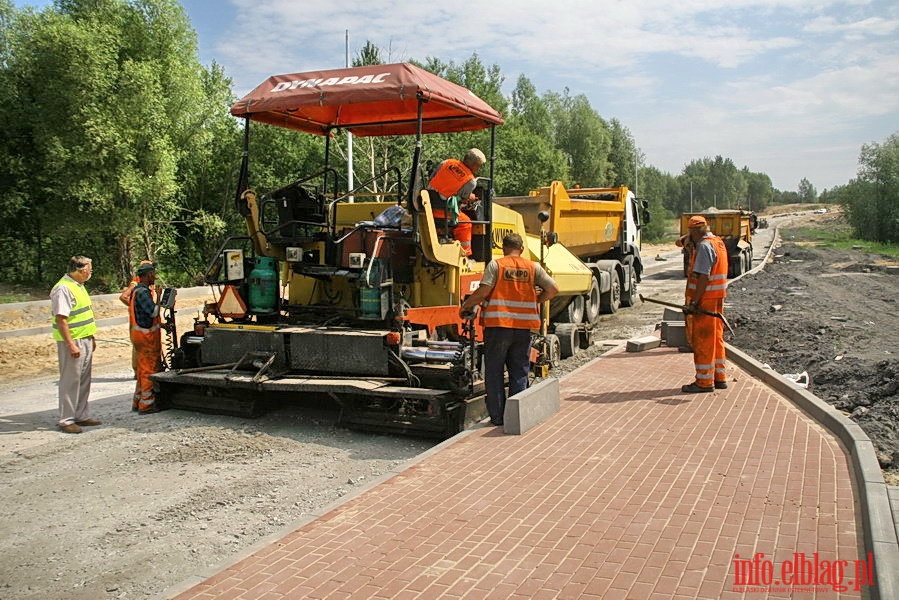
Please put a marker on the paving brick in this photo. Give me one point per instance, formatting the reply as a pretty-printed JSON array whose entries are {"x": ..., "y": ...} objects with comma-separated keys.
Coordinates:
[{"x": 630, "y": 490}]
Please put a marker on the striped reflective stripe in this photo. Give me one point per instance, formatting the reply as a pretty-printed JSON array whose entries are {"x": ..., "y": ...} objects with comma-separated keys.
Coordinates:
[
  {"x": 704, "y": 376},
  {"x": 691, "y": 284},
  {"x": 76, "y": 324},
  {"x": 501, "y": 314},
  {"x": 155, "y": 327},
  {"x": 495, "y": 310},
  {"x": 717, "y": 282},
  {"x": 513, "y": 304}
]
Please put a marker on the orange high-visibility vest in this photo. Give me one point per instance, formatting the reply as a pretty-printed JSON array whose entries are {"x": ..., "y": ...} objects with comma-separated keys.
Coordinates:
[
  {"x": 513, "y": 301},
  {"x": 450, "y": 177},
  {"x": 717, "y": 286},
  {"x": 142, "y": 334}
]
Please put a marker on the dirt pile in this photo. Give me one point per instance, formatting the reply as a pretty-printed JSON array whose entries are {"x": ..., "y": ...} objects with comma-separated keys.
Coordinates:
[{"x": 831, "y": 314}]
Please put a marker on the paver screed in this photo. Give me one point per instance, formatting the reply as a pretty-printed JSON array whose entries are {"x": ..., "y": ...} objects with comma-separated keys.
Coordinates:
[{"x": 633, "y": 490}]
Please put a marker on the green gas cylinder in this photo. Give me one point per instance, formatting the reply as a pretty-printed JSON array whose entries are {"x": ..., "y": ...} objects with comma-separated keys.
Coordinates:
[{"x": 264, "y": 286}]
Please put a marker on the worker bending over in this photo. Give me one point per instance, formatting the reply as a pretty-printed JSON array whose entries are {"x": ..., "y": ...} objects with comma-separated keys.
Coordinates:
[{"x": 454, "y": 181}]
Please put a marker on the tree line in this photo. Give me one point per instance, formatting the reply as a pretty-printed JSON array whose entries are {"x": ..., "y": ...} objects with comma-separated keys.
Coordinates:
[{"x": 117, "y": 143}]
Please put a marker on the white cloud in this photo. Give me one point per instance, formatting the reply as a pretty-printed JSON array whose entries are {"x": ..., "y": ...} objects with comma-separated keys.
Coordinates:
[{"x": 778, "y": 85}]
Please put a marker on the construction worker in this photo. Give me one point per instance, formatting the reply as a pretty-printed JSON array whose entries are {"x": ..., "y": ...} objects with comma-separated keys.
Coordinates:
[
  {"x": 74, "y": 329},
  {"x": 706, "y": 289},
  {"x": 125, "y": 298},
  {"x": 146, "y": 339},
  {"x": 454, "y": 182},
  {"x": 509, "y": 287}
]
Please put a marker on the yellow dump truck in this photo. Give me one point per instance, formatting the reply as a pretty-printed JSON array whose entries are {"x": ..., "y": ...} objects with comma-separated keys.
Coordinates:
[
  {"x": 735, "y": 227},
  {"x": 602, "y": 228}
]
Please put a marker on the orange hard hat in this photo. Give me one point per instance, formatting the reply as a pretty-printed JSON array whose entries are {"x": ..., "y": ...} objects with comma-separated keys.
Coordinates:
[{"x": 697, "y": 221}]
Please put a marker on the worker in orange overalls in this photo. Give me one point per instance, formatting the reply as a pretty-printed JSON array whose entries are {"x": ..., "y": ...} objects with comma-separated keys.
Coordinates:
[
  {"x": 509, "y": 286},
  {"x": 146, "y": 339},
  {"x": 125, "y": 297},
  {"x": 706, "y": 289},
  {"x": 454, "y": 181}
]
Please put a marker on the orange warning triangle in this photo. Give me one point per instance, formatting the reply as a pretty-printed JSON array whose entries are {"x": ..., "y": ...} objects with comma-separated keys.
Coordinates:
[{"x": 231, "y": 305}]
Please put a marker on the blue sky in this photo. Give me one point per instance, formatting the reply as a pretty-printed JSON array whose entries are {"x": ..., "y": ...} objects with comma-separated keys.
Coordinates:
[{"x": 791, "y": 88}]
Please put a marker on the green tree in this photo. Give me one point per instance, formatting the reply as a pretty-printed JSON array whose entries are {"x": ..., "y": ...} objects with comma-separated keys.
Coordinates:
[
  {"x": 807, "y": 192},
  {"x": 759, "y": 190},
  {"x": 656, "y": 187},
  {"x": 623, "y": 155},
  {"x": 583, "y": 135},
  {"x": 527, "y": 158},
  {"x": 101, "y": 112},
  {"x": 871, "y": 200}
]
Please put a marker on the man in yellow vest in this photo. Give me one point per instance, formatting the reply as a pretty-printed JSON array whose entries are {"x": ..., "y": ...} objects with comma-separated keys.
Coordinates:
[
  {"x": 706, "y": 289},
  {"x": 509, "y": 287},
  {"x": 74, "y": 329},
  {"x": 456, "y": 179}
]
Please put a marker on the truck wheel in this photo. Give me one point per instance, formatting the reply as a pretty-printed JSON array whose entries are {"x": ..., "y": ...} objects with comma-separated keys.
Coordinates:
[
  {"x": 569, "y": 341},
  {"x": 554, "y": 347},
  {"x": 611, "y": 300},
  {"x": 736, "y": 267},
  {"x": 629, "y": 297},
  {"x": 585, "y": 338},
  {"x": 574, "y": 312},
  {"x": 592, "y": 304}
]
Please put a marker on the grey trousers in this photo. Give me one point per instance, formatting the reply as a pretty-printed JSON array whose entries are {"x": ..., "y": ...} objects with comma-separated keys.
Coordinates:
[{"x": 74, "y": 381}]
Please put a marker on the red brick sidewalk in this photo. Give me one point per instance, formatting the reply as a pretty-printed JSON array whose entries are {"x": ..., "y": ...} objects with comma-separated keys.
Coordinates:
[{"x": 634, "y": 490}]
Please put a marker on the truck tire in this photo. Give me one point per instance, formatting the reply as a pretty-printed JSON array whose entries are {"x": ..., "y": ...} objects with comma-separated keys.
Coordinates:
[
  {"x": 569, "y": 340},
  {"x": 736, "y": 267},
  {"x": 574, "y": 312},
  {"x": 555, "y": 350},
  {"x": 592, "y": 303},
  {"x": 629, "y": 297},
  {"x": 611, "y": 300},
  {"x": 585, "y": 338}
]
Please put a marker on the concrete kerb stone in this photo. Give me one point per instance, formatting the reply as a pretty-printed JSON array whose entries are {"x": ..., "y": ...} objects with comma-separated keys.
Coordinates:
[
  {"x": 527, "y": 409},
  {"x": 878, "y": 525}
]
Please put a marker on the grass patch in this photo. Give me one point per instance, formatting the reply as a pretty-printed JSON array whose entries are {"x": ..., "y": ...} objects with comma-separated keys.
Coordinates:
[
  {"x": 841, "y": 237},
  {"x": 10, "y": 293},
  {"x": 10, "y": 298}
]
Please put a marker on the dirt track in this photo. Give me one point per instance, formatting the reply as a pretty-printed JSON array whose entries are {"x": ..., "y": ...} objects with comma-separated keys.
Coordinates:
[{"x": 130, "y": 508}]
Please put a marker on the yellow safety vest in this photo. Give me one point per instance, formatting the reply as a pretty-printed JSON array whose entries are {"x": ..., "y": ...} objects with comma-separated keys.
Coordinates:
[{"x": 81, "y": 318}]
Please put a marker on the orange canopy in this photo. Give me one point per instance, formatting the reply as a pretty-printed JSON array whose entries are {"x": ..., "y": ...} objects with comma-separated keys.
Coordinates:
[{"x": 370, "y": 100}]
